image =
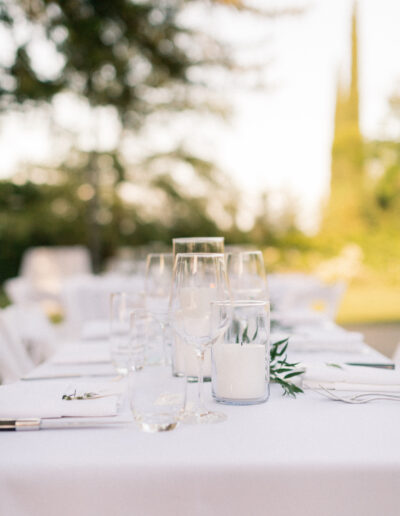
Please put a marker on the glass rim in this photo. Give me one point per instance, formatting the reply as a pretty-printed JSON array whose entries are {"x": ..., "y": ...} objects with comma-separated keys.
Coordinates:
[
  {"x": 202, "y": 255},
  {"x": 201, "y": 240},
  {"x": 255, "y": 251},
  {"x": 150, "y": 255},
  {"x": 242, "y": 302}
]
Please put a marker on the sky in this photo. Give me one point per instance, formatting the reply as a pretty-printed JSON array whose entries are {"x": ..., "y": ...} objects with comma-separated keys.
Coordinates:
[{"x": 279, "y": 138}]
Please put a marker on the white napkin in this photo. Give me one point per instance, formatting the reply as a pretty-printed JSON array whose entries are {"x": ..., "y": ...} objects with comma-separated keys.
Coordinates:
[
  {"x": 96, "y": 329},
  {"x": 50, "y": 370},
  {"x": 351, "y": 378},
  {"x": 81, "y": 354},
  {"x": 44, "y": 400},
  {"x": 300, "y": 316},
  {"x": 335, "y": 341}
]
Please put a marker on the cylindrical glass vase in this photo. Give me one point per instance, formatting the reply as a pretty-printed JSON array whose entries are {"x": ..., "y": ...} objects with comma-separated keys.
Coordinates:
[{"x": 240, "y": 359}]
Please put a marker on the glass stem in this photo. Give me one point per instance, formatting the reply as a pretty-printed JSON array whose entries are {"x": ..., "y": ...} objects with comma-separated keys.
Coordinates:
[
  {"x": 200, "y": 360},
  {"x": 164, "y": 343}
]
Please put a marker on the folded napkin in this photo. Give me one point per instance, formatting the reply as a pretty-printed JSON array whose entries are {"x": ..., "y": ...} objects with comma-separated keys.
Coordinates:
[
  {"x": 296, "y": 317},
  {"x": 351, "y": 378},
  {"x": 96, "y": 329},
  {"x": 44, "y": 400},
  {"x": 81, "y": 354},
  {"x": 51, "y": 370},
  {"x": 336, "y": 341}
]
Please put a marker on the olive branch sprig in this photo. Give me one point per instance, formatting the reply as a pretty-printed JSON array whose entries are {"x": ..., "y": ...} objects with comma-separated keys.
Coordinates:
[{"x": 281, "y": 371}]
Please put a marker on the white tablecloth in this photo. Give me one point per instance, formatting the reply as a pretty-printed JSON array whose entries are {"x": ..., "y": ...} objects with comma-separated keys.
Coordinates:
[{"x": 307, "y": 456}]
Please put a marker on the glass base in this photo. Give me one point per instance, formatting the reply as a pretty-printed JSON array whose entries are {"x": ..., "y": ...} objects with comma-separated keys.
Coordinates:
[
  {"x": 244, "y": 401},
  {"x": 156, "y": 422},
  {"x": 192, "y": 379},
  {"x": 227, "y": 401},
  {"x": 200, "y": 418}
]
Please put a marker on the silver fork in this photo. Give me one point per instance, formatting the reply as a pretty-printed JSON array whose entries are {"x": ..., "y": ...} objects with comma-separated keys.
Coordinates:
[{"x": 364, "y": 397}]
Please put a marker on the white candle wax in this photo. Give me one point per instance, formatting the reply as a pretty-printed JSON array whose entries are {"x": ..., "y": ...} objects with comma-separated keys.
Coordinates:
[
  {"x": 240, "y": 371},
  {"x": 185, "y": 359}
]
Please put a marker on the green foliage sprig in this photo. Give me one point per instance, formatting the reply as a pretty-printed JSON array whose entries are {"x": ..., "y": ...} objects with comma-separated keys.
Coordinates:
[{"x": 281, "y": 371}]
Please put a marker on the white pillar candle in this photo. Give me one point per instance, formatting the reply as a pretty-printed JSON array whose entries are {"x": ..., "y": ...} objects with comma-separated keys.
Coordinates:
[
  {"x": 186, "y": 362},
  {"x": 240, "y": 371}
]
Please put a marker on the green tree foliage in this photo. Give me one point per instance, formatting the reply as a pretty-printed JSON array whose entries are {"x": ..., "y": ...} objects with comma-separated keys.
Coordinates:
[{"x": 138, "y": 57}]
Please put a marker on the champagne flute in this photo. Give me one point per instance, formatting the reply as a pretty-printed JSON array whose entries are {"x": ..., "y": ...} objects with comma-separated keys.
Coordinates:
[
  {"x": 247, "y": 277},
  {"x": 158, "y": 289},
  {"x": 200, "y": 284}
]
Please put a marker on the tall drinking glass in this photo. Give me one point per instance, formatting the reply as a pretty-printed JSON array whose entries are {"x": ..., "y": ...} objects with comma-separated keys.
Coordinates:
[
  {"x": 122, "y": 305},
  {"x": 198, "y": 245},
  {"x": 247, "y": 277},
  {"x": 184, "y": 360},
  {"x": 158, "y": 289},
  {"x": 199, "y": 283}
]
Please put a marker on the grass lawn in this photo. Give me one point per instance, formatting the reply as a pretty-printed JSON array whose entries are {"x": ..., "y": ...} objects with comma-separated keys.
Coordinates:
[{"x": 370, "y": 304}]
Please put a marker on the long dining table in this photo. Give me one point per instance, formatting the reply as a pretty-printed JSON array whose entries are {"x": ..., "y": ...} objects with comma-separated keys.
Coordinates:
[{"x": 298, "y": 456}]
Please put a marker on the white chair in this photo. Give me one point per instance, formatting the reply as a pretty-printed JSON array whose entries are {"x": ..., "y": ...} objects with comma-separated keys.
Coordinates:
[
  {"x": 10, "y": 369},
  {"x": 10, "y": 330},
  {"x": 43, "y": 270},
  {"x": 30, "y": 334},
  {"x": 87, "y": 298},
  {"x": 305, "y": 292}
]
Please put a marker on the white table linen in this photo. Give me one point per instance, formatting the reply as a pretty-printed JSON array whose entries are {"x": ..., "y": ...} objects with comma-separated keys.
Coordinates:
[
  {"x": 305, "y": 457},
  {"x": 308, "y": 456}
]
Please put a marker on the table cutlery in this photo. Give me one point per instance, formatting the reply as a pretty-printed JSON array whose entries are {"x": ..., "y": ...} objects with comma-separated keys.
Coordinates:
[
  {"x": 377, "y": 365},
  {"x": 52, "y": 424},
  {"x": 364, "y": 397}
]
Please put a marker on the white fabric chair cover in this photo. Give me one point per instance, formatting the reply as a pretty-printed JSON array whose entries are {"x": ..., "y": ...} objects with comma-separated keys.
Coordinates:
[
  {"x": 10, "y": 369},
  {"x": 43, "y": 270},
  {"x": 305, "y": 292},
  {"x": 30, "y": 333},
  {"x": 87, "y": 298},
  {"x": 10, "y": 327}
]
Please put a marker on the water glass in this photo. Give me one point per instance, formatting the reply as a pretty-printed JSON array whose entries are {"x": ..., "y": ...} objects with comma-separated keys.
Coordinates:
[
  {"x": 122, "y": 340},
  {"x": 157, "y": 398},
  {"x": 198, "y": 245},
  {"x": 246, "y": 274}
]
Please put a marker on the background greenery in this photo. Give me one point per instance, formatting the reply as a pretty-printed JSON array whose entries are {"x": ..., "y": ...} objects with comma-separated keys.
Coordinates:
[{"x": 139, "y": 59}]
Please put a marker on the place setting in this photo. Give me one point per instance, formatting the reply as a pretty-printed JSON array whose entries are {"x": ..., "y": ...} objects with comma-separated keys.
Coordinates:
[{"x": 203, "y": 324}]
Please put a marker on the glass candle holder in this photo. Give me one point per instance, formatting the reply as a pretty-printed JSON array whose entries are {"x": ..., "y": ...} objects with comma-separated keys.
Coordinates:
[{"x": 240, "y": 358}]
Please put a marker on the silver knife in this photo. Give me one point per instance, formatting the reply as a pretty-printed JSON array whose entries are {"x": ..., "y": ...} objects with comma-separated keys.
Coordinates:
[
  {"x": 52, "y": 424},
  {"x": 72, "y": 375}
]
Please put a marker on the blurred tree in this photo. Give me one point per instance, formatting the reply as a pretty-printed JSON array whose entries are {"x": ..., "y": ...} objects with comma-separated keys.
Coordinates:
[
  {"x": 343, "y": 218},
  {"x": 137, "y": 57}
]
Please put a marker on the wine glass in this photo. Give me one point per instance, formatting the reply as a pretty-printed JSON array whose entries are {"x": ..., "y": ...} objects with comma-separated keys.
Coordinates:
[
  {"x": 247, "y": 277},
  {"x": 158, "y": 289},
  {"x": 184, "y": 360},
  {"x": 199, "y": 285}
]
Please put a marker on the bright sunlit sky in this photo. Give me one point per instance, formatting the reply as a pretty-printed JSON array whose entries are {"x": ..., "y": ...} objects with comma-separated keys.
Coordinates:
[{"x": 278, "y": 138}]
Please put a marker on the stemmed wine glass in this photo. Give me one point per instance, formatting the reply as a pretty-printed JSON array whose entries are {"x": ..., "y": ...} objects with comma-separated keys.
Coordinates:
[
  {"x": 247, "y": 277},
  {"x": 200, "y": 313},
  {"x": 158, "y": 289},
  {"x": 184, "y": 360}
]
